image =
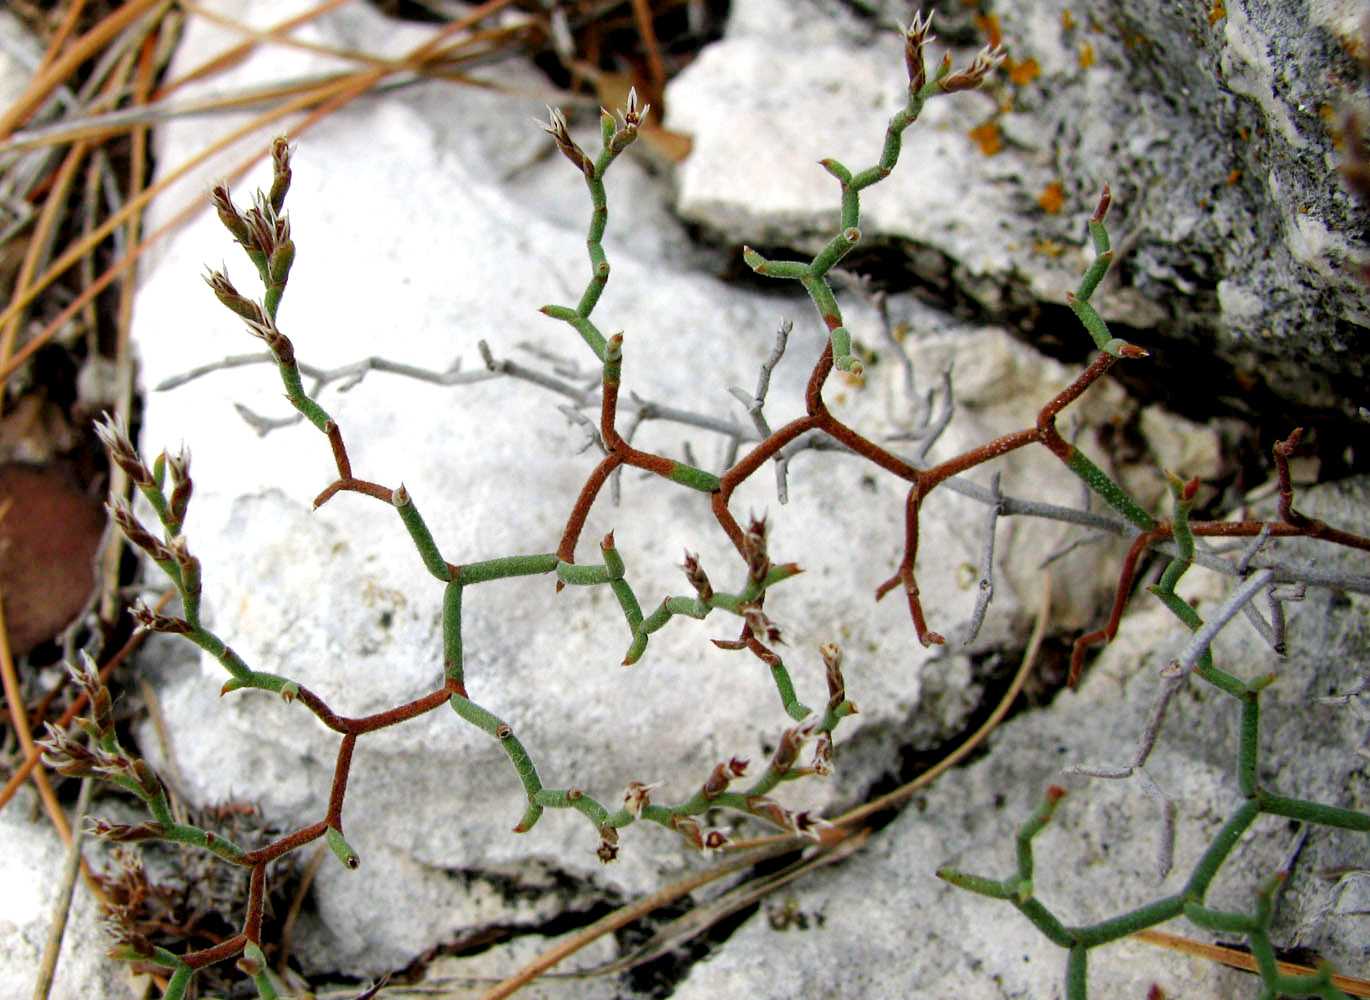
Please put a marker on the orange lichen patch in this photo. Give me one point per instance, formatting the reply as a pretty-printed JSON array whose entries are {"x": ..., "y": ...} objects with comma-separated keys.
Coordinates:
[
  {"x": 1216, "y": 12},
  {"x": 1354, "y": 46},
  {"x": 1244, "y": 134},
  {"x": 989, "y": 24},
  {"x": 1234, "y": 176},
  {"x": 1067, "y": 20},
  {"x": 1024, "y": 72},
  {"x": 987, "y": 137},
  {"x": 1086, "y": 55},
  {"x": 1048, "y": 248},
  {"x": 1051, "y": 199},
  {"x": 1328, "y": 114}
]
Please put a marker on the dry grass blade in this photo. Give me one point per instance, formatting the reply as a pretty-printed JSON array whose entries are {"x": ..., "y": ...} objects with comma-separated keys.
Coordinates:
[
  {"x": 52, "y": 949},
  {"x": 64, "y": 66},
  {"x": 1242, "y": 960},
  {"x": 633, "y": 911},
  {"x": 701, "y": 918}
]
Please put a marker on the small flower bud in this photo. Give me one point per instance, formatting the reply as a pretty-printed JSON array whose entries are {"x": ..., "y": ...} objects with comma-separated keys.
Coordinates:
[
  {"x": 558, "y": 130},
  {"x": 121, "y": 451},
  {"x": 973, "y": 75},
  {"x": 628, "y": 120},
  {"x": 264, "y": 327},
  {"x": 790, "y": 743},
  {"x": 761, "y": 626},
  {"x": 280, "y": 169},
  {"x": 754, "y": 549},
  {"x": 717, "y": 782},
  {"x": 226, "y": 293},
  {"x": 771, "y": 811},
  {"x": 832, "y": 665},
  {"x": 154, "y": 622},
  {"x": 261, "y": 223},
  {"x": 278, "y": 264},
  {"x": 638, "y": 797},
  {"x": 698, "y": 579},
  {"x": 1104, "y": 199},
  {"x": 822, "y": 754},
  {"x": 122, "y": 515},
  {"x": 146, "y": 777},
  {"x": 85, "y": 673},
  {"x": 228, "y": 215},
  {"x": 65, "y": 755},
  {"x": 688, "y": 829},
  {"x": 188, "y": 565},
  {"x": 181, "y": 485},
  {"x": 809, "y": 825},
  {"x": 121, "y": 833},
  {"x": 128, "y": 945},
  {"x": 914, "y": 39}
]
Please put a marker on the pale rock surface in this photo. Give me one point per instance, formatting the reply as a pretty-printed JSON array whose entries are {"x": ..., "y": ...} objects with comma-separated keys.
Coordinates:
[
  {"x": 30, "y": 874},
  {"x": 20, "y": 55},
  {"x": 411, "y": 247},
  {"x": 425, "y": 224}
]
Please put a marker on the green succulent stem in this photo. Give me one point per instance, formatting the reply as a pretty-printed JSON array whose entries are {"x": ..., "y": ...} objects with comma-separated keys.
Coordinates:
[
  {"x": 453, "y": 667},
  {"x": 1077, "y": 973},
  {"x": 261, "y": 978},
  {"x": 1108, "y": 490},
  {"x": 1219, "y": 849},
  {"x": 182, "y": 833},
  {"x": 341, "y": 849},
  {"x": 422, "y": 538},
  {"x": 486, "y": 721},
  {"x": 301, "y": 400},
  {"x": 179, "y": 981},
  {"x": 582, "y": 325}
]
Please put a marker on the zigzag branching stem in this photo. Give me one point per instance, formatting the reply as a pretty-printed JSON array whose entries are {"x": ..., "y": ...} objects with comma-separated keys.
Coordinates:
[{"x": 264, "y": 232}]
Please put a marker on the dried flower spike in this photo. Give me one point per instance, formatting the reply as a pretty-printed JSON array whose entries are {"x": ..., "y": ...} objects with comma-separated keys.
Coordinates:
[
  {"x": 915, "y": 37},
  {"x": 985, "y": 61}
]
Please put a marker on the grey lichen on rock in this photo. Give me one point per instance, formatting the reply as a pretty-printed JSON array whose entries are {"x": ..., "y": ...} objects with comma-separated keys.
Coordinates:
[{"x": 1217, "y": 128}]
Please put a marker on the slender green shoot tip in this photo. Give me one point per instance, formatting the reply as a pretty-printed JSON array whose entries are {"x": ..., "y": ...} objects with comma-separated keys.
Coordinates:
[
  {"x": 340, "y": 847},
  {"x": 1104, "y": 200}
]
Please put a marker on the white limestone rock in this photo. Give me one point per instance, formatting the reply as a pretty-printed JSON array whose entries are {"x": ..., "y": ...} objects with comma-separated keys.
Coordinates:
[
  {"x": 30, "y": 874},
  {"x": 412, "y": 245}
]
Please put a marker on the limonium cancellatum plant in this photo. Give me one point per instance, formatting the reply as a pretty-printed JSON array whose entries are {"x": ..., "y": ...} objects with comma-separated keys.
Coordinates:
[{"x": 806, "y": 746}]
